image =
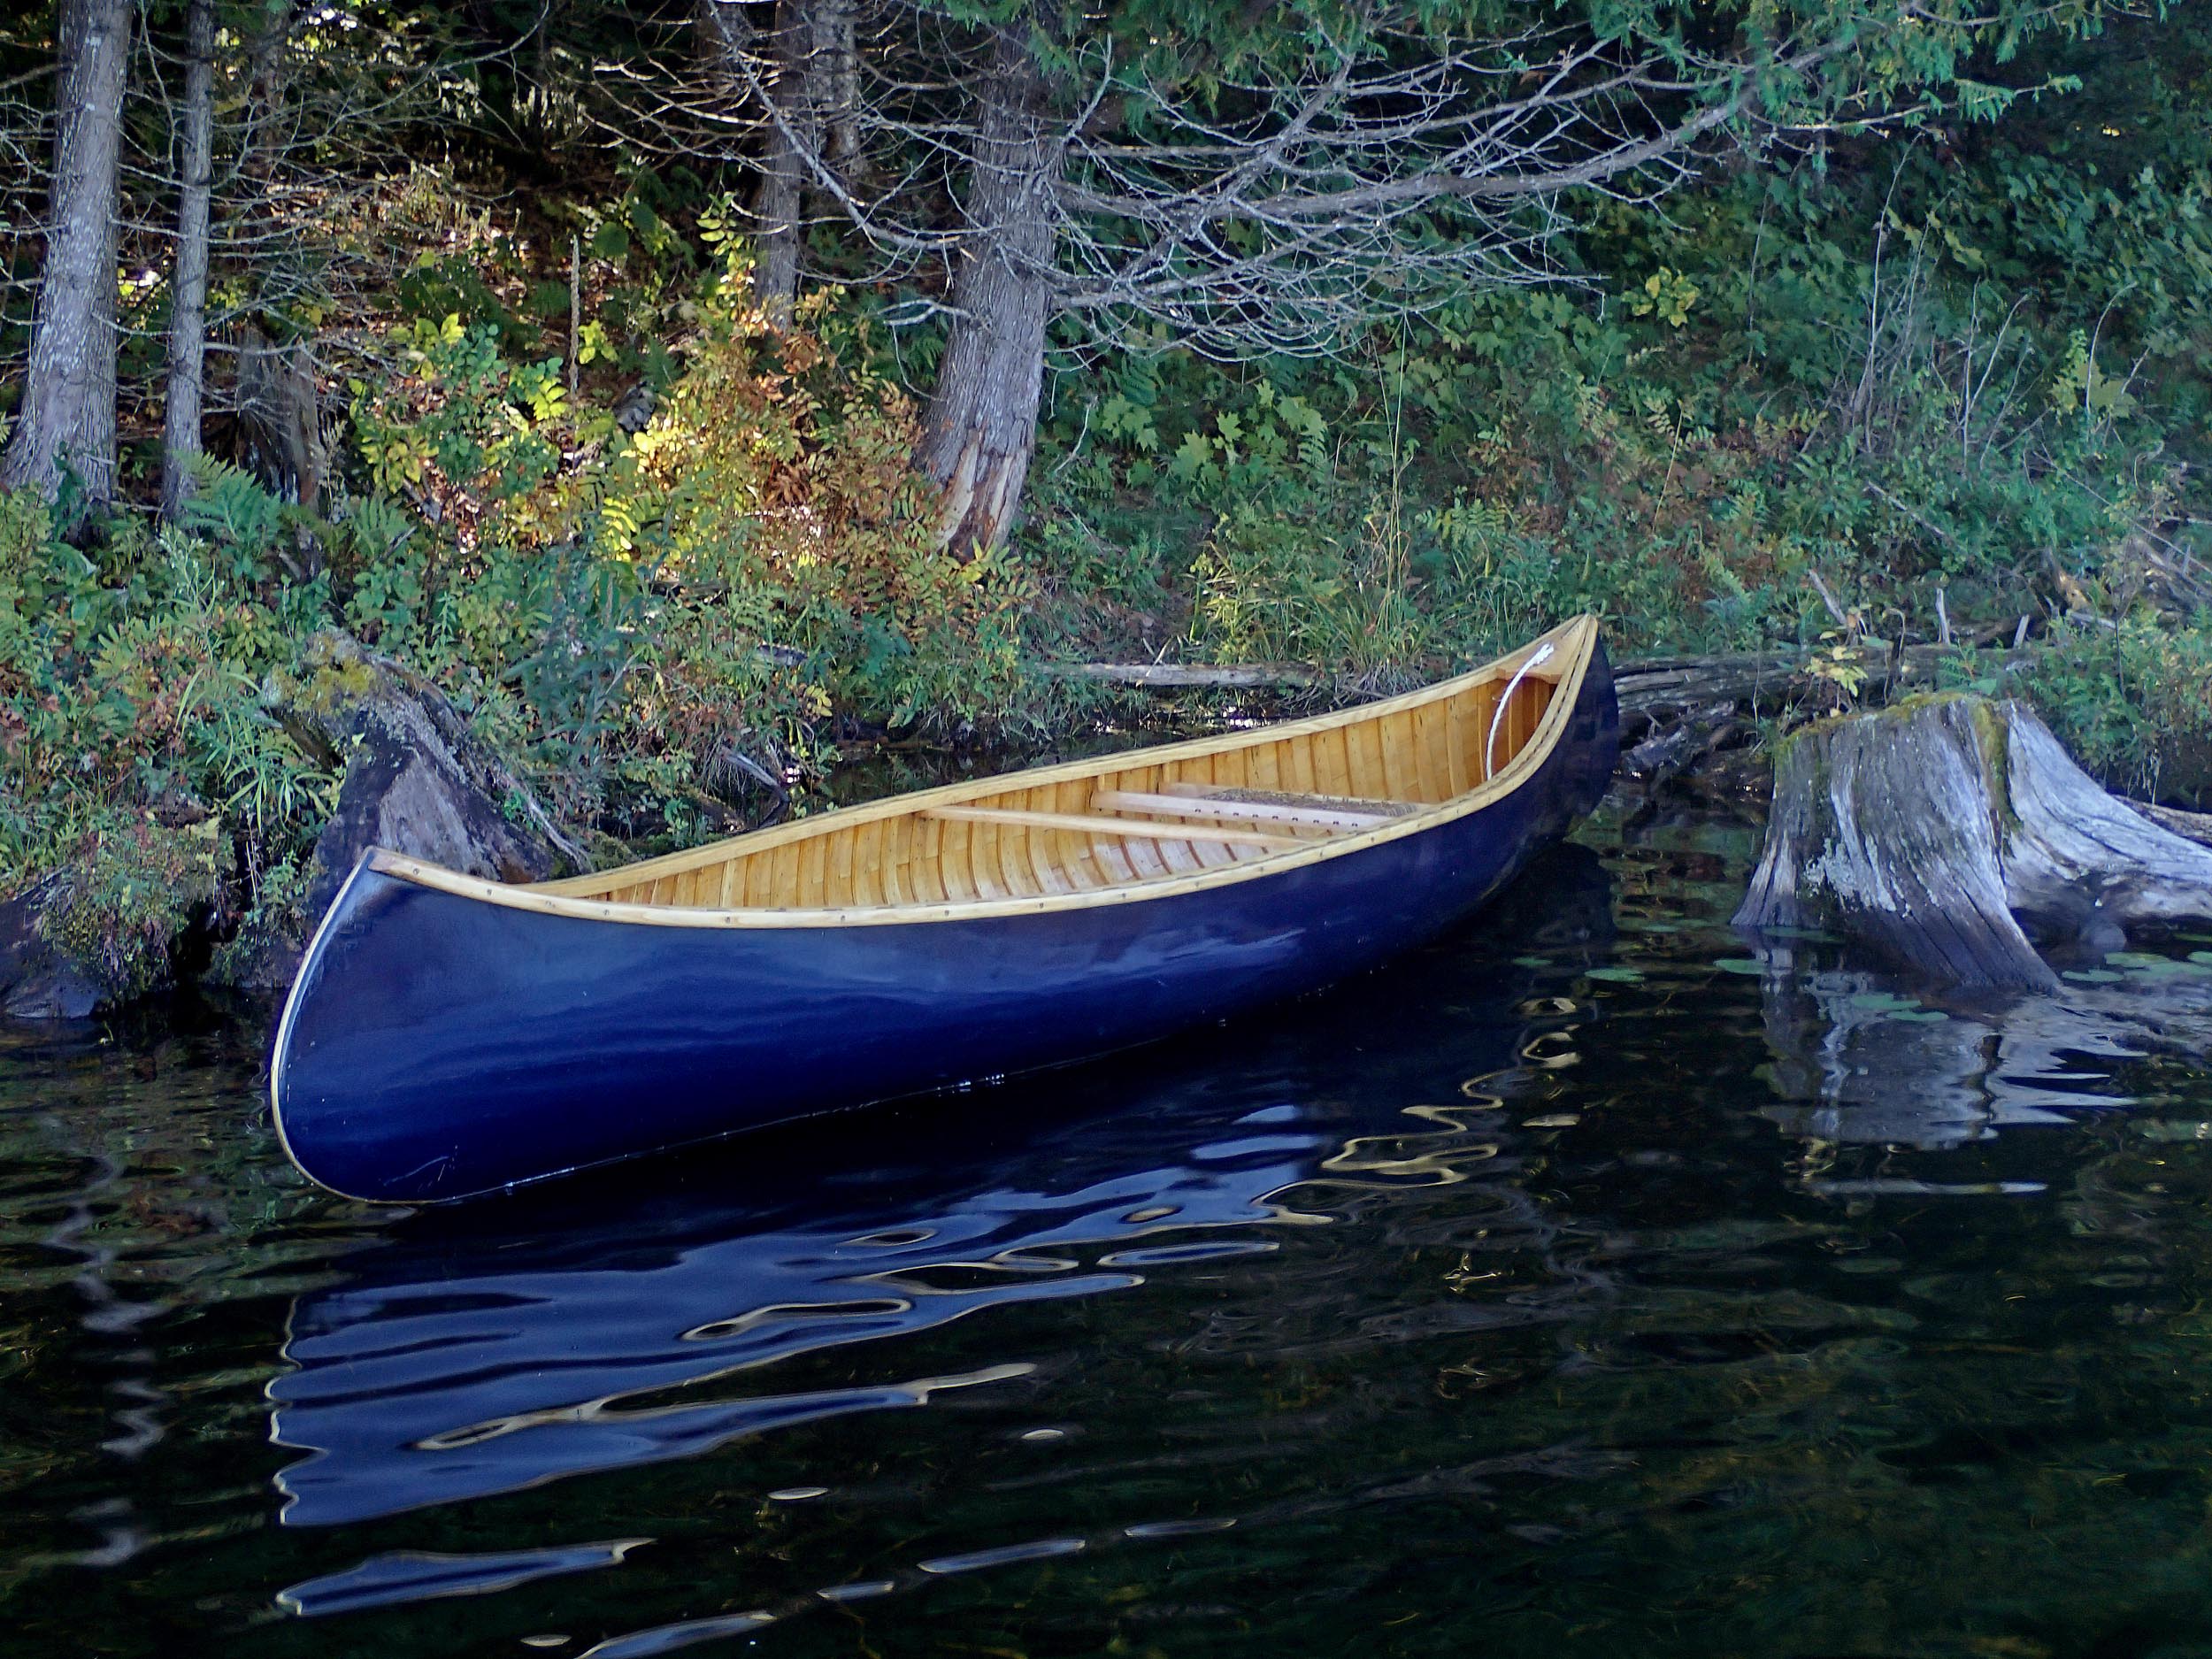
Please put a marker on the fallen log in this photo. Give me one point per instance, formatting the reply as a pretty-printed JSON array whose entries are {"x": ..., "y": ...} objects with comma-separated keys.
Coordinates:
[
  {"x": 1950, "y": 831},
  {"x": 1655, "y": 688},
  {"x": 1647, "y": 689},
  {"x": 2194, "y": 827},
  {"x": 1189, "y": 676},
  {"x": 1650, "y": 689}
]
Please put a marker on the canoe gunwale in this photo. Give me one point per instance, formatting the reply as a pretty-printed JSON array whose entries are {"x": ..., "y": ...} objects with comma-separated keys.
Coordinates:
[{"x": 1579, "y": 637}]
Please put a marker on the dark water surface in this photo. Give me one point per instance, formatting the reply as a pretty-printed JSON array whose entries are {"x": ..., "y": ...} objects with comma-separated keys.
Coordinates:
[{"x": 1577, "y": 1285}]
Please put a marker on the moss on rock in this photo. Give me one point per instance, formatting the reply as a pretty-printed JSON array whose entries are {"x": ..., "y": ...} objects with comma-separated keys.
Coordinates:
[{"x": 114, "y": 914}]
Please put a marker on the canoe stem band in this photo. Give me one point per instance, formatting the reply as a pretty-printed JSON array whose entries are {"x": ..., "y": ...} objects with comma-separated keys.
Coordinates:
[{"x": 1536, "y": 659}]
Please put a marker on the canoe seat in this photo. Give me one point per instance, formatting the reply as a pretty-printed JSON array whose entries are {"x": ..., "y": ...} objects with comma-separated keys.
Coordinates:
[{"x": 1258, "y": 806}]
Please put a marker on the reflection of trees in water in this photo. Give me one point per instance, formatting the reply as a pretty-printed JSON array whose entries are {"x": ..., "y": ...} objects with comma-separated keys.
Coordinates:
[
  {"x": 127, "y": 1181},
  {"x": 1463, "y": 1306},
  {"x": 1545, "y": 1336},
  {"x": 1444, "y": 1286}
]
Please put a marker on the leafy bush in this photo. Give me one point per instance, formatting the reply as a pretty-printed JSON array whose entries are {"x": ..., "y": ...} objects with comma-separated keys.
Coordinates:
[
  {"x": 2133, "y": 704},
  {"x": 126, "y": 894},
  {"x": 649, "y": 618},
  {"x": 650, "y": 625},
  {"x": 136, "y": 759},
  {"x": 1847, "y": 375}
]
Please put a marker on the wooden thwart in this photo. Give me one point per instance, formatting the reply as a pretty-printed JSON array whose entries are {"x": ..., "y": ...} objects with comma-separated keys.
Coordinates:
[
  {"x": 1368, "y": 805},
  {"x": 1262, "y": 806},
  {"x": 1085, "y": 824}
]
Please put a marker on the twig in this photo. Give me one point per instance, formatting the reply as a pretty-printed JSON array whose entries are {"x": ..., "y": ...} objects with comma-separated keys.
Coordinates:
[
  {"x": 1828, "y": 599},
  {"x": 1926, "y": 523}
]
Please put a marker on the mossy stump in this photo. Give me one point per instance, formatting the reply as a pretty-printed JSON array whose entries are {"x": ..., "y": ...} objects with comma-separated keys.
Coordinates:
[
  {"x": 1954, "y": 834},
  {"x": 417, "y": 779}
]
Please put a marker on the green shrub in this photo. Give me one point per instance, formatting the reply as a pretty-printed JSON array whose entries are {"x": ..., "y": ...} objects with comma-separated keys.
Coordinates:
[
  {"x": 125, "y": 894},
  {"x": 647, "y": 620},
  {"x": 2132, "y": 703}
]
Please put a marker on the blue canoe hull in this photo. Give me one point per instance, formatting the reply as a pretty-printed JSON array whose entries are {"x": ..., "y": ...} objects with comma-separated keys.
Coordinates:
[{"x": 438, "y": 1046}]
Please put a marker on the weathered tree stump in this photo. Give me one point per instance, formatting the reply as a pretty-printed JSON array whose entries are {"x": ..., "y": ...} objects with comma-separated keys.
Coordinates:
[
  {"x": 1949, "y": 832},
  {"x": 417, "y": 779}
]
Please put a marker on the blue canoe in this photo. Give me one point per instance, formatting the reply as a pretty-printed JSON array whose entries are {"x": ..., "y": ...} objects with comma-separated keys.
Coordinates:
[{"x": 448, "y": 1036}]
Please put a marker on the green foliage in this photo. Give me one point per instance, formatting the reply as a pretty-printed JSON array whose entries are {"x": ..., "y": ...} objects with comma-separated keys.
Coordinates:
[
  {"x": 1667, "y": 295},
  {"x": 642, "y": 623},
  {"x": 647, "y": 620},
  {"x": 136, "y": 759},
  {"x": 125, "y": 895},
  {"x": 2133, "y": 703},
  {"x": 1942, "y": 363},
  {"x": 1963, "y": 353}
]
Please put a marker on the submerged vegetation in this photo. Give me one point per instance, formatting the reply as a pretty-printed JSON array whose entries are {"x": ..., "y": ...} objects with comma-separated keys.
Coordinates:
[{"x": 505, "y": 387}]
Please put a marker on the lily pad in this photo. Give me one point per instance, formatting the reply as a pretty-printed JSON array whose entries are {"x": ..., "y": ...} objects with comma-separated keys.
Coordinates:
[
  {"x": 1614, "y": 976},
  {"x": 1741, "y": 964},
  {"x": 2164, "y": 968},
  {"x": 2202, "y": 958},
  {"x": 1883, "y": 1002},
  {"x": 2093, "y": 976},
  {"x": 1921, "y": 1016},
  {"x": 2135, "y": 959},
  {"x": 1532, "y": 961}
]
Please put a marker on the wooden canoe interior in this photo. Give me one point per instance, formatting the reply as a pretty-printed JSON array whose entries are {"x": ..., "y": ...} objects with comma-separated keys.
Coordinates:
[{"x": 1298, "y": 788}]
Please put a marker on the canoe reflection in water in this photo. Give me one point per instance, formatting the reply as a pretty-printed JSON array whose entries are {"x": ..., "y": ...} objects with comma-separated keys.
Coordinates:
[{"x": 557, "y": 1333}]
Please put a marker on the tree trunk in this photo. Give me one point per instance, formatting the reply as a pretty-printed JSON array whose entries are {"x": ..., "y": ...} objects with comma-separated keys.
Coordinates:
[
  {"x": 778, "y": 199},
  {"x": 833, "y": 77},
  {"x": 982, "y": 423},
  {"x": 188, "y": 318},
  {"x": 67, "y": 418},
  {"x": 264, "y": 138},
  {"x": 1948, "y": 832},
  {"x": 280, "y": 415},
  {"x": 735, "y": 60}
]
